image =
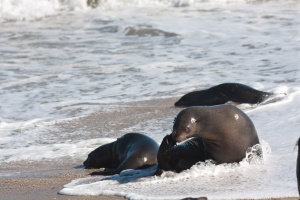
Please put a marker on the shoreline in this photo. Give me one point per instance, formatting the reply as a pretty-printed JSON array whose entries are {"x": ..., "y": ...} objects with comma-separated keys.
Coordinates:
[
  {"x": 27, "y": 180},
  {"x": 43, "y": 180}
]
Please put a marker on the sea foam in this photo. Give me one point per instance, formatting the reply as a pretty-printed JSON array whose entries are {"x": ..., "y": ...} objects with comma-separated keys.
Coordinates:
[{"x": 273, "y": 176}]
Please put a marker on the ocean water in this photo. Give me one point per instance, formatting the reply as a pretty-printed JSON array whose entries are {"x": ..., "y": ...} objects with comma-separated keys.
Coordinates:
[{"x": 61, "y": 60}]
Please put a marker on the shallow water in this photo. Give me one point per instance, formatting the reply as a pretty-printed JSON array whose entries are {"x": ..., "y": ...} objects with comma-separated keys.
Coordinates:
[
  {"x": 226, "y": 181},
  {"x": 61, "y": 61}
]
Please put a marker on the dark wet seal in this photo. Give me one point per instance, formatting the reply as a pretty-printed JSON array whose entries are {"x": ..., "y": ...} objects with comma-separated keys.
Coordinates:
[
  {"x": 172, "y": 157},
  {"x": 195, "y": 198},
  {"x": 131, "y": 151},
  {"x": 223, "y": 93},
  {"x": 226, "y": 131},
  {"x": 142, "y": 32}
]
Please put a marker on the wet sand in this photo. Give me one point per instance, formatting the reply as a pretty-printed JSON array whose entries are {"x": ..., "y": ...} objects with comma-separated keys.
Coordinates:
[
  {"x": 44, "y": 179},
  {"x": 40, "y": 181}
]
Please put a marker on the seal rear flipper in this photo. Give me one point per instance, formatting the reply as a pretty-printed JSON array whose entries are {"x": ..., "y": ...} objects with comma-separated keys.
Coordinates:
[
  {"x": 129, "y": 163},
  {"x": 298, "y": 166},
  {"x": 134, "y": 161},
  {"x": 105, "y": 172},
  {"x": 272, "y": 98}
]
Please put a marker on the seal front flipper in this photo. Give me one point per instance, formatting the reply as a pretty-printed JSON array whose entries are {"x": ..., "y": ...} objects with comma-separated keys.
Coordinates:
[
  {"x": 164, "y": 154},
  {"x": 133, "y": 161}
]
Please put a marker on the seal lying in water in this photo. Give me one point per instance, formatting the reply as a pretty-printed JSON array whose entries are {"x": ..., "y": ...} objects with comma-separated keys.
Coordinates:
[
  {"x": 298, "y": 166},
  {"x": 131, "y": 151},
  {"x": 223, "y": 93},
  {"x": 180, "y": 157},
  {"x": 226, "y": 131}
]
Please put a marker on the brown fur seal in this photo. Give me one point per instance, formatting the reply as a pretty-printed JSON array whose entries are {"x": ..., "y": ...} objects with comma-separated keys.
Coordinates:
[
  {"x": 172, "y": 157},
  {"x": 227, "y": 132},
  {"x": 131, "y": 151},
  {"x": 223, "y": 93},
  {"x": 298, "y": 167}
]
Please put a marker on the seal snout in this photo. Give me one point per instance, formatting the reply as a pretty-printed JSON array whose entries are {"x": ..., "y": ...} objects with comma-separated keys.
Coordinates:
[
  {"x": 178, "y": 103},
  {"x": 173, "y": 134},
  {"x": 176, "y": 137},
  {"x": 170, "y": 140},
  {"x": 181, "y": 102},
  {"x": 87, "y": 164}
]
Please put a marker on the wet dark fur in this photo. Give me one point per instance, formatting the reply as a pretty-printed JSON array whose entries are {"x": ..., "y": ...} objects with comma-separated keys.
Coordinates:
[
  {"x": 226, "y": 131},
  {"x": 132, "y": 151},
  {"x": 172, "y": 157},
  {"x": 223, "y": 93}
]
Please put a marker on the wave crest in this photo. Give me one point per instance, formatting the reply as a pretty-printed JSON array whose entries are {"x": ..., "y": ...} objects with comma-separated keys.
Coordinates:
[{"x": 21, "y": 10}]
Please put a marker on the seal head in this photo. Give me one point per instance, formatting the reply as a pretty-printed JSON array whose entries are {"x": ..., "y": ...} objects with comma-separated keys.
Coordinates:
[{"x": 185, "y": 126}]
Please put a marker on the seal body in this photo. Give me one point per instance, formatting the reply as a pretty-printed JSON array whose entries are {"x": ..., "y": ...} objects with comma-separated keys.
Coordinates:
[
  {"x": 180, "y": 157},
  {"x": 223, "y": 93},
  {"x": 131, "y": 151},
  {"x": 298, "y": 167},
  {"x": 227, "y": 132}
]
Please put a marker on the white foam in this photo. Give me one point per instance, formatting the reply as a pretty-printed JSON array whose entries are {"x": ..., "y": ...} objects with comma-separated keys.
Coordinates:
[
  {"x": 19, "y": 10},
  {"x": 226, "y": 181},
  {"x": 12, "y": 10},
  {"x": 274, "y": 177},
  {"x": 80, "y": 61},
  {"x": 77, "y": 151}
]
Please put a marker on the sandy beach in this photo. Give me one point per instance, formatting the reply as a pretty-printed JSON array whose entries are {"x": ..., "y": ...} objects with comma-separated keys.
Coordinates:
[
  {"x": 43, "y": 180},
  {"x": 40, "y": 180}
]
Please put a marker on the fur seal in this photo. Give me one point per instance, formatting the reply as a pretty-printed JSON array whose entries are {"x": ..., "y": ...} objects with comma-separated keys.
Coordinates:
[
  {"x": 298, "y": 167},
  {"x": 131, "y": 151},
  {"x": 223, "y": 93},
  {"x": 180, "y": 157},
  {"x": 227, "y": 132},
  {"x": 93, "y": 3}
]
